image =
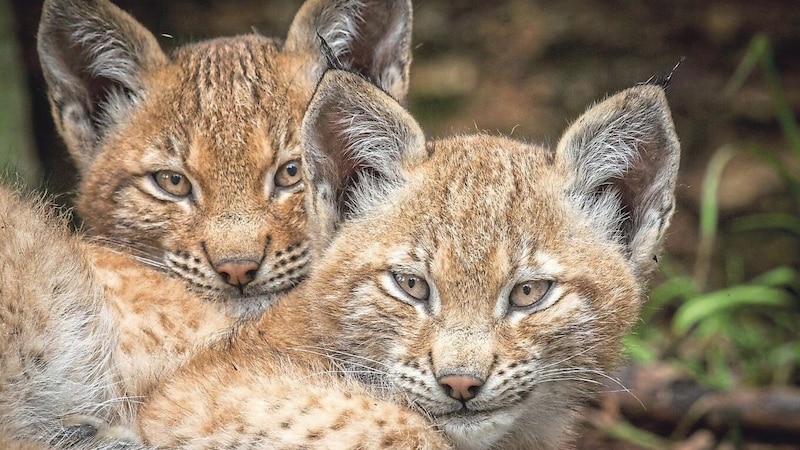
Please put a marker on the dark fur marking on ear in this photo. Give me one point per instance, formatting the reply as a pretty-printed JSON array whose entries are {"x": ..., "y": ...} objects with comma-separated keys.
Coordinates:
[
  {"x": 334, "y": 63},
  {"x": 330, "y": 57}
]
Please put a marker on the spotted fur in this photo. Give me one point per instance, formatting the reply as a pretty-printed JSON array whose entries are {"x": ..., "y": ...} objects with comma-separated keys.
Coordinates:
[
  {"x": 91, "y": 322},
  {"x": 365, "y": 354}
]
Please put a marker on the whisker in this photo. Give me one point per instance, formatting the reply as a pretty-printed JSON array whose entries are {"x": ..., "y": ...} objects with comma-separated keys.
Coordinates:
[
  {"x": 572, "y": 370},
  {"x": 558, "y": 379},
  {"x": 147, "y": 254},
  {"x": 338, "y": 355},
  {"x": 336, "y": 372},
  {"x": 343, "y": 364},
  {"x": 582, "y": 352}
]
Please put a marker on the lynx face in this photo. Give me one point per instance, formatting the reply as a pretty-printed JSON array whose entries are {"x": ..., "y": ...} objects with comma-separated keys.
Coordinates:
[
  {"x": 190, "y": 160},
  {"x": 486, "y": 300},
  {"x": 484, "y": 281},
  {"x": 201, "y": 175}
]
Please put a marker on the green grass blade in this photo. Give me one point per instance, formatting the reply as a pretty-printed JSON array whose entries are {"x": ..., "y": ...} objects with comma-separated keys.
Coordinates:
[
  {"x": 783, "y": 111},
  {"x": 678, "y": 287},
  {"x": 786, "y": 171},
  {"x": 760, "y": 51},
  {"x": 709, "y": 212},
  {"x": 767, "y": 221},
  {"x": 755, "y": 51}
]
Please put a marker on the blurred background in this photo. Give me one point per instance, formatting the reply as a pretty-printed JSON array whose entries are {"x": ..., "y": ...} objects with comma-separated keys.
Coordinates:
[{"x": 715, "y": 362}]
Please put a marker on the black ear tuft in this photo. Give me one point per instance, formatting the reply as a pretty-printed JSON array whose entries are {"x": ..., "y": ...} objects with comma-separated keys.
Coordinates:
[{"x": 663, "y": 80}]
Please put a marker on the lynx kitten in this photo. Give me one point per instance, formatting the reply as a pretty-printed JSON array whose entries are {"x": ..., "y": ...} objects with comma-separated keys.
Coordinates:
[{"x": 191, "y": 160}]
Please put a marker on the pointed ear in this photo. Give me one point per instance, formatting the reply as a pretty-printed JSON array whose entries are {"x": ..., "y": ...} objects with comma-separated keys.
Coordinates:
[
  {"x": 369, "y": 37},
  {"x": 93, "y": 55},
  {"x": 623, "y": 154},
  {"x": 358, "y": 142}
]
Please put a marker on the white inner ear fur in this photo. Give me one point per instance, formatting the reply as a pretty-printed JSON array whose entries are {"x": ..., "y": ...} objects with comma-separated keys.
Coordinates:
[
  {"x": 359, "y": 140},
  {"x": 623, "y": 154}
]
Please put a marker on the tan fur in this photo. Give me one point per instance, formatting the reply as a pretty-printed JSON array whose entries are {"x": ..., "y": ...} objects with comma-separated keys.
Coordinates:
[
  {"x": 115, "y": 310},
  {"x": 475, "y": 218},
  {"x": 93, "y": 335},
  {"x": 223, "y": 116}
]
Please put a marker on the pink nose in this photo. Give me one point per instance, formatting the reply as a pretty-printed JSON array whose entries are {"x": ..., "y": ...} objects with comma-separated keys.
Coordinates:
[
  {"x": 238, "y": 272},
  {"x": 461, "y": 387}
]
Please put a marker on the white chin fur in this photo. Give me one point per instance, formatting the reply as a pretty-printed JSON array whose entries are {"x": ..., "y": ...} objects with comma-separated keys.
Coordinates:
[{"x": 477, "y": 432}]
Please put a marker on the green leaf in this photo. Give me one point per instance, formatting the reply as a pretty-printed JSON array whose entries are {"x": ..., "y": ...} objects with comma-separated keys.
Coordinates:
[
  {"x": 781, "y": 276},
  {"x": 637, "y": 349},
  {"x": 701, "y": 307},
  {"x": 709, "y": 212}
]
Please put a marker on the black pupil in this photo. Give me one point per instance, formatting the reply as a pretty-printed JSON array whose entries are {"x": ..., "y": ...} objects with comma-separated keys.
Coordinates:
[
  {"x": 411, "y": 282},
  {"x": 526, "y": 289},
  {"x": 291, "y": 169},
  {"x": 175, "y": 179}
]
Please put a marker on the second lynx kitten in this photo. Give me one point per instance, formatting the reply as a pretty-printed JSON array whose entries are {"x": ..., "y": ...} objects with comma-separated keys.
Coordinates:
[
  {"x": 482, "y": 282},
  {"x": 189, "y": 160}
]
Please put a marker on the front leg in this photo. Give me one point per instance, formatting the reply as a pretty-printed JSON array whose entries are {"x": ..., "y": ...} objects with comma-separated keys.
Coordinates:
[{"x": 250, "y": 409}]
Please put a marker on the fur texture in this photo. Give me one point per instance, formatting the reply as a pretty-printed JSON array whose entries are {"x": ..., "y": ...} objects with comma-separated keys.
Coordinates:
[
  {"x": 192, "y": 195},
  {"x": 190, "y": 160},
  {"x": 481, "y": 282}
]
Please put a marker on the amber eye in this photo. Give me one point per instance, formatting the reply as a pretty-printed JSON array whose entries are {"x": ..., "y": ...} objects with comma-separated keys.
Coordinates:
[
  {"x": 529, "y": 293},
  {"x": 173, "y": 183},
  {"x": 288, "y": 174},
  {"x": 412, "y": 285}
]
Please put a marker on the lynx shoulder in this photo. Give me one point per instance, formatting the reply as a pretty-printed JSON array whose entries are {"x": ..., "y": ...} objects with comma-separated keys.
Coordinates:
[{"x": 482, "y": 282}]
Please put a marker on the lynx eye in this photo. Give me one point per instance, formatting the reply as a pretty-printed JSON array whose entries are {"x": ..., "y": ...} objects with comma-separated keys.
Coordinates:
[
  {"x": 288, "y": 174},
  {"x": 173, "y": 183},
  {"x": 412, "y": 285},
  {"x": 529, "y": 293}
]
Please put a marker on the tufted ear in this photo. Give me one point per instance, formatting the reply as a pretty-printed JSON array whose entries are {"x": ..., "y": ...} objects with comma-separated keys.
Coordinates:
[
  {"x": 369, "y": 37},
  {"x": 357, "y": 141},
  {"x": 93, "y": 55},
  {"x": 623, "y": 154}
]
